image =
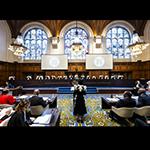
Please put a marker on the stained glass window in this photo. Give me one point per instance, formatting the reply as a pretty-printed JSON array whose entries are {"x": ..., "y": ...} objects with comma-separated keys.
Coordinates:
[
  {"x": 117, "y": 40},
  {"x": 74, "y": 35},
  {"x": 36, "y": 42}
]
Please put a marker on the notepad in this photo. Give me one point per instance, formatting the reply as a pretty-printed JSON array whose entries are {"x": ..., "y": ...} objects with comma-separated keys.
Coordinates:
[
  {"x": 43, "y": 119},
  {"x": 23, "y": 97},
  {"x": 112, "y": 99},
  {"x": 45, "y": 98}
]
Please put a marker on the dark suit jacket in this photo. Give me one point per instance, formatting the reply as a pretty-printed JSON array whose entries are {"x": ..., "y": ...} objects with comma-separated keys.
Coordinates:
[
  {"x": 18, "y": 120},
  {"x": 126, "y": 103},
  {"x": 143, "y": 100},
  {"x": 36, "y": 100}
]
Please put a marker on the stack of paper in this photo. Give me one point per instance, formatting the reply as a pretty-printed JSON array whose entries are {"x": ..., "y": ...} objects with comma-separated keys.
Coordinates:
[
  {"x": 119, "y": 96},
  {"x": 45, "y": 119},
  {"x": 135, "y": 97},
  {"x": 38, "y": 125},
  {"x": 45, "y": 98},
  {"x": 112, "y": 99},
  {"x": 23, "y": 97}
]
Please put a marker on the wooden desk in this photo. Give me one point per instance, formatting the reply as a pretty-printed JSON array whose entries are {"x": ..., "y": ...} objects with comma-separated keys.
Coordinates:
[
  {"x": 55, "y": 121},
  {"x": 107, "y": 103},
  {"x": 52, "y": 101},
  {"x": 55, "y": 118}
]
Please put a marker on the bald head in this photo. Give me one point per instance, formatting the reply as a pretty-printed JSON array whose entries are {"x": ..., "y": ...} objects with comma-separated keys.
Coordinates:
[
  {"x": 148, "y": 82},
  {"x": 141, "y": 90},
  {"x": 127, "y": 94},
  {"x": 36, "y": 92}
]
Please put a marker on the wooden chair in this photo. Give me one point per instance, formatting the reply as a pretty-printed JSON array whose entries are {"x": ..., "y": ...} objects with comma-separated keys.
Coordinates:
[
  {"x": 124, "y": 112},
  {"x": 143, "y": 111},
  {"x": 37, "y": 110}
]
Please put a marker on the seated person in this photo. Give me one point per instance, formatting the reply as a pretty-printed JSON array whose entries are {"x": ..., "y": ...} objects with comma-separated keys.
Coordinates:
[
  {"x": 141, "y": 123},
  {"x": 82, "y": 76},
  {"x": 106, "y": 77},
  {"x": 16, "y": 90},
  {"x": 59, "y": 77},
  {"x": 40, "y": 77},
  {"x": 11, "y": 78},
  {"x": 101, "y": 76},
  {"x": 53, "y": 77},
  {"x": 76, "y": 77},
  {"x": 20, "y": 117},
  {"x": 47, "y": 77},
  {"x": 128, "y": 101},
  {"x": 65, "y": 77},
  {"x": 120, "y": 77},
  {"x": 147, "y": 86},
  {"x": 138, "y": 85},
  {"x": 87, "y": 77},
  {"x": 29, "y": 77},
  {"x": 144, "y": 99},
  {"x": 36, "y": 100},
  {"x": 5, "y": 98},
  {"x": 113, "y": 77},
  {"x": 93, "y": 77},
  {"x": 9, "y": 84},
  {"x": 70, "y": 77}
]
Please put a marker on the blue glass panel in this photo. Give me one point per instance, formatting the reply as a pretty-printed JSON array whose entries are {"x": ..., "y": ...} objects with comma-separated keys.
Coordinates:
[
  {"x": 117, "y": 40},
  {"x": 36, "y": 41},
  {"x": 71, "y": 37}
]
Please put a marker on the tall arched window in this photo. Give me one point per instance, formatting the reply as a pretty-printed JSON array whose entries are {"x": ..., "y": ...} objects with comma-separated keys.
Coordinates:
[
  {"x": 117, "y": 40},
  {"x": 70, "y": 38},
  {"x": 35, "y": 40}
]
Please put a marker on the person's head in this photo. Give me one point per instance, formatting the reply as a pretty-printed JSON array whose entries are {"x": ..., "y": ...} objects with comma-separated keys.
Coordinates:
[
  {"x": 137, "y": 82},
  {"x": 148, "y": 82},
  {"x": 127, "y": 94},
  {"x": 141, "y": 91},
  {"x": 23, "y": 105},
  {"x": 36, "y": 92},
  {"x": 5, "y": 91}
]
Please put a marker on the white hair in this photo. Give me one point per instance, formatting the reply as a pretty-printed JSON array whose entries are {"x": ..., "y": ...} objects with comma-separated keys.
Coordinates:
[{"x": 148, "y": 82}]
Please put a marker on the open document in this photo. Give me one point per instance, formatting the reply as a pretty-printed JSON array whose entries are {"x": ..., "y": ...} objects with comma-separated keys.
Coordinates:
[{"x": 45, "y": 119}]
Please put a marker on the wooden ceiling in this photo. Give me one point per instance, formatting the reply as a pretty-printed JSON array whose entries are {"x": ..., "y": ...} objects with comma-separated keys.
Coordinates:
[{"x": 55, "y": 26}]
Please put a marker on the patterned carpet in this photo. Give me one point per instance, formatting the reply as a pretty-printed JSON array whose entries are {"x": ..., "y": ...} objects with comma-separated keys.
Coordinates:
[{"x": 95, "y": 115}]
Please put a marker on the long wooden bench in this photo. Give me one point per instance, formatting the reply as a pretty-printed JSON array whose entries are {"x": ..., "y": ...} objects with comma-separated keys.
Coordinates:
[
  {"x": 113, "y": 90},
  {"x": 88, "y": 82}
]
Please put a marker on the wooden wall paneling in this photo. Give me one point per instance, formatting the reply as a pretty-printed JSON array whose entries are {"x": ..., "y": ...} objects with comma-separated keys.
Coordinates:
[
  {"x": 76, "y": 67},
  {"x": 134, "y": 70},
  {"x": 97, "y": 73}
]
